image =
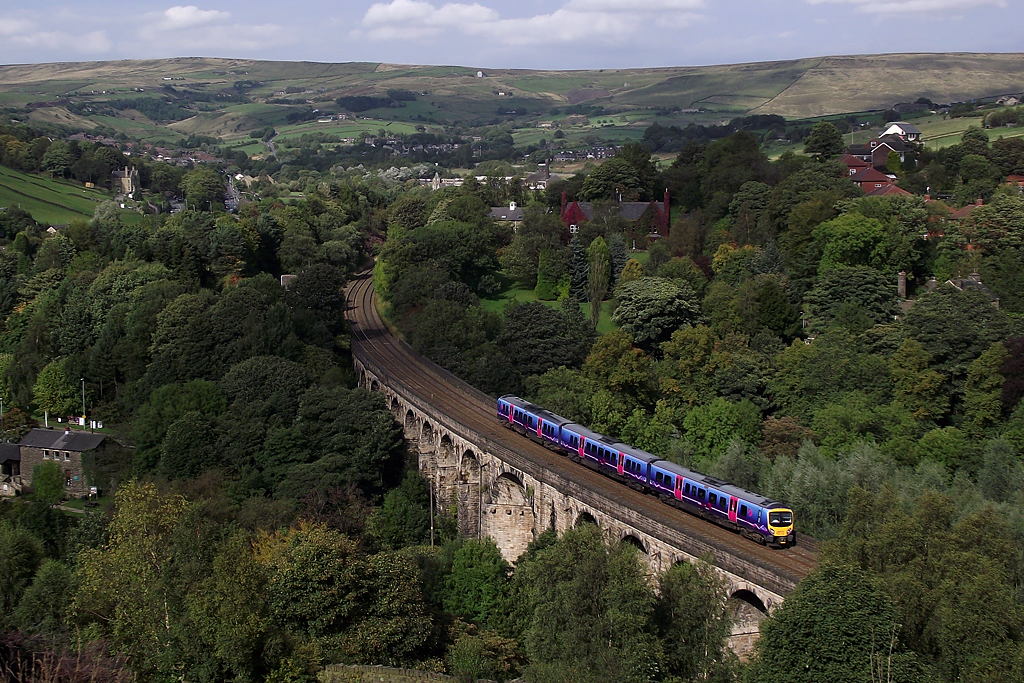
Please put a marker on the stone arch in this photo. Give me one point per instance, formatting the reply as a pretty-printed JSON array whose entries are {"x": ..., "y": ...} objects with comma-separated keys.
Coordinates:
[
  {"x": 469, "y": 496},
  {"x": 396, "y": 406},
  {"x": 410, "y": 424},
  {"x": 426, "y": 436},
  {"x": 750, "y": 598},
  {"x": 469, "y": 467},
  {"x": 508, "y": 489},
  {"x": 446, "y": 451},
  {"x": 585, "y": 517},
  {"x": 631, "y": 539},
  {"x": 362, "y": 377},
  {"x": 374, "y": 385}
]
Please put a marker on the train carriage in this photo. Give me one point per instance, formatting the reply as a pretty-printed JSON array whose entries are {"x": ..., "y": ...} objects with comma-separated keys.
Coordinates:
[
  {"x": 540, "y": 425},
  {"x": 718, "y": 501}
]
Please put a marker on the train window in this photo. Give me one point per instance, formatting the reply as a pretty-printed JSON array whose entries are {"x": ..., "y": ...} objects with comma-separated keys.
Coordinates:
[
  {"x": 700, "y": 494},
  {"x": 657, "y": 477},
  {"x": 687, "y": 489},
  {"x": 721, "y": 502},
  {"x": 743, "y": 510},
  {"x": 713, "y": 499},
  {"x": 670, "y": 482}
]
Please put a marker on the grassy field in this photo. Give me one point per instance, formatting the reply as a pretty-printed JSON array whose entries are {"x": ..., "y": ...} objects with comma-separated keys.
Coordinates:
[
  {"x": 49, "y": 201},
  {"x": 499, "y": 303}
]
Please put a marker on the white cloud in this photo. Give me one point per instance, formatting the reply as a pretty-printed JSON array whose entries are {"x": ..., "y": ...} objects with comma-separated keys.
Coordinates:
[
  {"x": 93, "y": 43},
  {"x": 10, "y": 27},
  {"x": 184, "y": 17},
  {"x": 577, "y": 20},
  {"x": 911, "y": 6}
]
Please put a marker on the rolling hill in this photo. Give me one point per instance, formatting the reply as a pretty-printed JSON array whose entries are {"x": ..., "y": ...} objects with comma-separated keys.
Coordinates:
[{"x": 447, "y": 95}]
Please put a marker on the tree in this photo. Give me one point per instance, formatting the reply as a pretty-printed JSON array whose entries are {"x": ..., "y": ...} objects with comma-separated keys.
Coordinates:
[
  {"x": 585, "y": 610},
  {"x": 851, "y": 240},
  {"x": 57, "y": 159},
  {"x": 600, "y": 276},
  {"x": 201, "y": 187},
  {"x": 404, "y": 517},
  {"x": 854, "y": 297},
  {"x": 652, "y": 308},
  {"x": 48, "y": 483},
  {"x": 54, "y": 391},
  {"x": 710, "y": 428},
  {"x": 616, "y": 179},
  {"x": 833, "y": 627},
  {"x": 477, "y": 582},
  {"x": 633, "y": 270},
  {"x": 692, "y": 622},
  {"x": 20, "y": 555},
  {"x": 983, "y": 407},
  {"x": 43, "y": 607},
  {"x": 537, "y": 338},
  {"x": 824, "y": 141}
]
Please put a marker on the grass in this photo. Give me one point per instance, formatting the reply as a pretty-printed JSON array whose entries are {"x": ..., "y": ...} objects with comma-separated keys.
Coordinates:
[
  {"x": 49, "y": 201},
  {"x": 513, "y": 292}
]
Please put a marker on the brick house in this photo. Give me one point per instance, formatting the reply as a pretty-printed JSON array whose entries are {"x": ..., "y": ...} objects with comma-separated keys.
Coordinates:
[
  {"x": 872, "y": 179},
  {"x": 62, "y": 447}
]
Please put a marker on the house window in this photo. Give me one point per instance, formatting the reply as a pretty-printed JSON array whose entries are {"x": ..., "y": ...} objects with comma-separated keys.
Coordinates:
[
  {"x": 46, "y": 454},
  {"x": 573, "y": 229},
  {"x": 67, "y": 456}
]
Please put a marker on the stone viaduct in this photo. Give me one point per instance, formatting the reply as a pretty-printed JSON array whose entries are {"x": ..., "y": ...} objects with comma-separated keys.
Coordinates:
[{"x": 497, "y": 492}]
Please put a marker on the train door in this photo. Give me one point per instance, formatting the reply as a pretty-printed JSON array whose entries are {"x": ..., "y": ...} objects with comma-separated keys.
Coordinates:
[
  {"x": 540, "y": 427},
  {"x": 622, "y": 462},
  {"x": 583, "y": 446},
  {"x": 732, "y": 509},
  {"x": 679, "y": 488}
]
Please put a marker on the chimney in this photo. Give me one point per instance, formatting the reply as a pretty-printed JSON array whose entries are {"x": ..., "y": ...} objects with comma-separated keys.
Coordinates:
[
  {"x": 902, "y": 284},
  {"x": 978, "y": 201},
  {"x": 511, "y": 206},
  {"x": 927, "y": 198}
]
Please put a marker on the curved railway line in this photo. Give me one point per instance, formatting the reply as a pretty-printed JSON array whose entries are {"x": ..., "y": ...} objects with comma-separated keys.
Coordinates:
[{"x": 475, "y": 412}]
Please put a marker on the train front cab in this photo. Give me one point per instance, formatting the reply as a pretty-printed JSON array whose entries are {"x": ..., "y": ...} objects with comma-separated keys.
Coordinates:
[{"x": 780, "y": 527}]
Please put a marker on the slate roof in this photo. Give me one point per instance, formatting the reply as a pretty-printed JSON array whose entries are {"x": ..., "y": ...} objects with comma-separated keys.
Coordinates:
[
  {"x": 9, "y": 452},
  {"x": 62, "y": 440},
  {"x": 907, "y": 128},
  {"x": 632, "y": 211},
  {"x": 504, "y": 213}
]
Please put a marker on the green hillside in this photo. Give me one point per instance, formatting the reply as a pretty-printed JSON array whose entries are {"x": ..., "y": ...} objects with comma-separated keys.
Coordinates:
[
  {"x": 49, "y": 201},
  {"x": 231, "y": 96}
]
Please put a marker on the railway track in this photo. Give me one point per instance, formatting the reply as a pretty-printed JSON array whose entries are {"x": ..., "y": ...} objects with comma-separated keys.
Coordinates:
[{"x": 474, "y": 410}]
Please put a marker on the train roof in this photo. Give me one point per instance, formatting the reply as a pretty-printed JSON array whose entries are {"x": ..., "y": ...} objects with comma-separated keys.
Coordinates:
[
  {"x": 637, "y": 453},
  {"x": 589, "y": 433},
  {"x": 717, "y": 484},
  {"x": 545, "y": 415}
]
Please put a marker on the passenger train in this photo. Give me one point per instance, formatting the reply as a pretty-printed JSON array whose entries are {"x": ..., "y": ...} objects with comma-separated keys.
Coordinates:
[{"x": 761, "y": 519}]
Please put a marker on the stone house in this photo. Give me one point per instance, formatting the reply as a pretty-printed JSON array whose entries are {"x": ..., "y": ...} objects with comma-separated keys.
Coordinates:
[
  {"x": 10, "y": 469},
  {"x": 62, "y": 447}
]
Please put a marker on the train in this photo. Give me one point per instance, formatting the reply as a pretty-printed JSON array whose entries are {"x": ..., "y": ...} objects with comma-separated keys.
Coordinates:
[{"x": 761, "y": 519}]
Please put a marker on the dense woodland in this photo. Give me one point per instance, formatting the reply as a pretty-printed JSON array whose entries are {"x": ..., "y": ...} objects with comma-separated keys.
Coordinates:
[{"x": 268, "y": 518}]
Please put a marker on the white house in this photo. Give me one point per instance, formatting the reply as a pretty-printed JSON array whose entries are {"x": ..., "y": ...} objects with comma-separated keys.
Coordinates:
[{"x": 904, "y": 130}]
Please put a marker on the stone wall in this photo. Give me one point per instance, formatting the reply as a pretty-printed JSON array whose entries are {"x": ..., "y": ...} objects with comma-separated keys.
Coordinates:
[{"x": 71, "y": 467}]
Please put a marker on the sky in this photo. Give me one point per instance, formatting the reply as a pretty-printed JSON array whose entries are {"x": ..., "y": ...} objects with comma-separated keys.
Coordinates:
[{"x": 532, "y": 34}]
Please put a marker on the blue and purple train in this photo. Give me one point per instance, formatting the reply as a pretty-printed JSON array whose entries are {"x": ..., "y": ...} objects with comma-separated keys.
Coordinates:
[{"x": 761, "y": 519}]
